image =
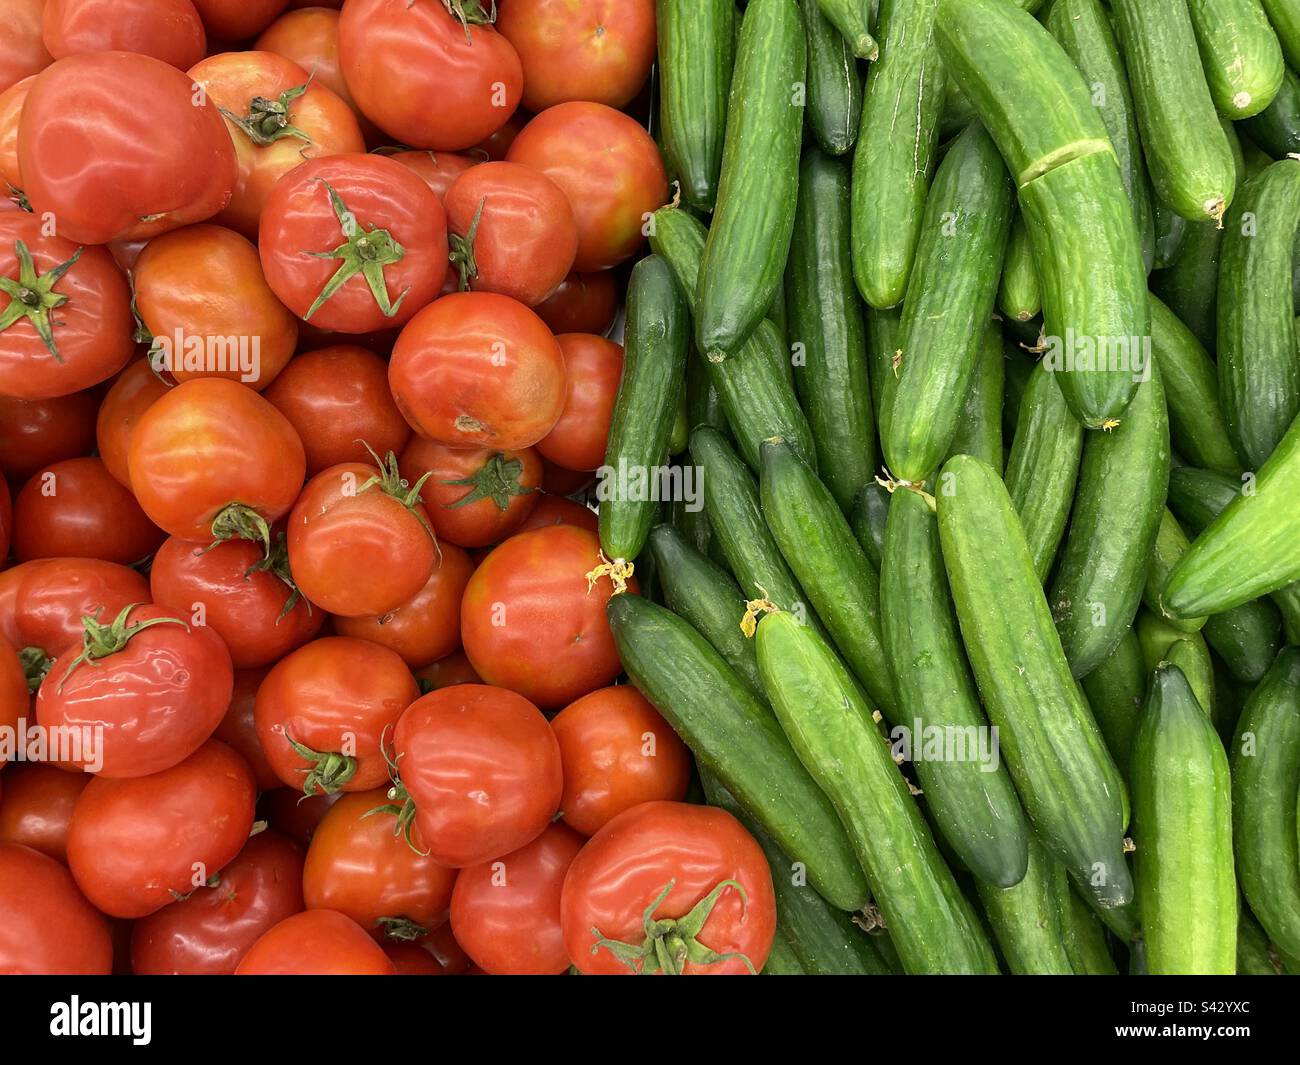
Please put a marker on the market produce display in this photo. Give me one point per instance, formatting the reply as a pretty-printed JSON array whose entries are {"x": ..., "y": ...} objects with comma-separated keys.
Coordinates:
[{"x": 603, "y": 487}]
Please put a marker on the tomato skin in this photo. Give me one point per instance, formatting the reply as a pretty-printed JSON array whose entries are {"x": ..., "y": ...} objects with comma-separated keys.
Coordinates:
[
  {"x": 439, "y": 169},
  {"x": 133, "y": 392},
  {"x": 425, "y": 958},
  {"x": 48, "y": 597},
  {"x": 593, "y": 367},
  {"x": 316, "y": 943},
  {"x": 288, "y": 811},
  {"x": 625, "y": 866},
  {"x": 555, "y": 645},
  {"x": 169, "y": 30},
  {"x": 49, "y": 927},
  {"x": 506, "y": 913},
  {"x": 609, "y": 168},
  {"x": 237, "y": 20},
  {"x": 6, "y": 518},
  {"x": 14, "y": 698},
  {"x": 11, "y": 110},
  {"x": 454, "y": 669},
  {"x": 238, "y": 730},
  {"x": 36, "y": 809},
  {"x": 22, "y": 51},
  {"x": 483, "y": 769},
  {"x": 309, "y": 37},
  {"x": 583, "y": 303},
  {"x": 37, "y": 432}
]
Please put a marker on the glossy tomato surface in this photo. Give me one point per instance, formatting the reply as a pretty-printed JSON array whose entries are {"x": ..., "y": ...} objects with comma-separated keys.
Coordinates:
[
  {"x": 132, "y": 392},
  {"x": 236, "y": 20},
  {"x": 11, "y": 110},
  {"x": 238, "y": 728},
  {"x": 309, "y": 36},
  {"x": 439, "y": 169},
  {"x": 583, "y": 303},
  {"x": 593, "y": 367},
  {"x": 36, "y": 806},
  {"x": 169, "y": 30},
  {"x": 37, "y": 432},
  {"x": 43, "y": 602},
  {"x": 49, "y": 927},
  {"x": 22, "y": 51},
  {"x": 316, "y": 943},
  {"x": 14, "y": 698}
]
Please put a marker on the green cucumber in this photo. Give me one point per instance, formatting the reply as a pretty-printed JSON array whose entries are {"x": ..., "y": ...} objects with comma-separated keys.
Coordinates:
[
  {"x": 979, "y": 424},
  {"x": 1170, "y": 545},
  {"x": 703, "y": 404},
  {"x": 1240, "y": 55},
  {"x": 1018, "y": 293},
  {"x": 1255, "y": 955},
  {"x": 1155, "y": 636},
  {"x": 882, "y": 351},
  {"x": 834, "y": 104},
  {"x": 654, "y": 376},
  {"x": 1026, "y": 918},
  {"x": 782, "y": 960},
  {"x": 1190, "y": 285},
  {"x": 868, "y": 517},
  {"x": 849, "y": 17},
  {"x": 1171, "y": 231},
  {"x": 1247, "y": 637},
  {"x": 1191, "y": 654},
  {"x": 1085, "y": 940},
  {"x": 1016, "y": 371},
  {"x": 1276, "y": 129},
  {"x": 776, "y": 314},
  {"x": 1285, "y": 19},
  {"x": 1116, "y": 690}
]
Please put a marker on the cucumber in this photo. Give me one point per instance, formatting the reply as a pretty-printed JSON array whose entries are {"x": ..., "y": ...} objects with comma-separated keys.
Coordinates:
[
  {"x": 849, "y": 17},
  {"x": 1246, "y": 637},
  {"x": 958, "y": 112},
  {"x": 868, "y": 517},
  {"x": 1171, "y": 231},
  {"x": 776, "y": 314},
  {"x": 829, "y": 724},
  {"x": 894, "y": 157},
  {"x": 782, "y": 960},
  {"x": 1016, "y": 371},
  {"x": 1240, "y": 55},
  {"x": 1116, "y": 690},
  {"x": 1255, "y": 955},
  {"x": 754, "y": 215},
  {"x": 1285, "y": 19},
  {"x": 1026, "y": 918},
  {"x": 1085, "y": 940},
  {"x": 1182, "y": 827},
  {"x": 834, "y": 104},
  {"x": 974, "y": 807},
  {"x": 1018, "y": 294},
  {"x": 1265, "y": 756},
  {"x": 654, "y": 377},
  {"x": 1170, "y": 545},
  {"x": 735, "y": 736},
  {"x": 703, "y": 404},
  {"x": 1066, "y": 779},
  {"x": 826, "y": 330},
  {"x": 1156, "y": 636},
  {"x": 882, "y": 350},
  {"x": 1276, "y": 129},
  {"x": 950, "y": 296},
  {"x": 1191, "y": 654},
  {"x": 979, "y": 423},
  {"x": 1191, "y": 283}
]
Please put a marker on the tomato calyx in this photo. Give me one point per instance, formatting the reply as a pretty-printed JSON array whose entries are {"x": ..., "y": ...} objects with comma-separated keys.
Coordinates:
[
  {"x": 99, "y": 640},
  {"x": 32, "y": 295},
  {"x": 328, "y": 770},
  {"x": 268, "y": 120},
  {"x": 400, "y": 804},
  {"x": 497, "y": 479},
  {"x": 238, "y": 521},
  {"x": 471, "y": 13},
  {"x": 401, "y": 928},
  {"x": 363, "y": 251},
  {"x": 671, "y": 942},
  {"x": 276, "y": 563},
  {"x": 213, "y": 881},
  {"x": 18, "y": 198},
  {"x": 389, "y": 480},
  {"x": 36, "y": 663},
  {"x": 462, "y": 250}
]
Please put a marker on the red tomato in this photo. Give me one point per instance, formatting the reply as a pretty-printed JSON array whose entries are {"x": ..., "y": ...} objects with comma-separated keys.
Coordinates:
[
  {"x": 334, "y": 397},
  {"x": 209, "y": 932},
  {"x": 94, "y": 158},
  {"x": 561, "y": 481},
  {"x": 289, "y": 811},
  {"x": 212, "y": 459},
  {"x": 584, "y": 303},
  {"x": 475, "y": 369},
  {"x": 482, "y": 768},
  {"x": 237, "y": 20},
  {"x": 382, "y": 230},
  {"x": 439, "y": 169},
  {"x": 593, "y": 367},
  {"x": 337, "y": 699},
  {"x": 599, "y": 50},
  {"x": 38, "y": 432},
  {"x": 238, "y": 729},
  {"x": 454, "y": 669},
  {"x": 133, "y": 392},
  {"x": 49, "y": 927},
  {"x": 609, "y": 168},
  {"x": 14, "y": 697},
  {"x": 667, "y": 860},
  {"x": 169, "y": 30},
  {"x": 398, "y": 56},
  {"x": 529, "y": 622},
  {"x": 310, "y": 37},
  {"x": 506, "y": 913},
  {"x": 437, "y": 954},
  {"x": 36, "y": 810},
  {"x": 475, "y": 496},
  {"x": 11, "y": 110},
  {"x": 22, "y": 51},
  {"x": 6, "y": 518},
  {"x": 497, "y": 144},
  {"x": 44, "y": 601},
  {"x": 316, "y": 943},
  {"x": 136, "y": 844}
]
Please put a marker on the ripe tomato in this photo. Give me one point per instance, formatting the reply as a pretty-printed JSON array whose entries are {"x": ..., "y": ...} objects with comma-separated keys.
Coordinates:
[
  {"x": 213, "y": 459},
  {"x": 599, "y": 50},
  {"x": 475, "y": 496},
  {"x": 169, "y": 30},
  {"x": 382, "y": 232},
  {"x": 238, "y": 730},
  {"x": 334, "y": 397},
  {"x": 529, "y": 622},
  {"x": 584, "y": 303},
  {"x": 133, "y": 392},
  {"x": 324, "y": 710},
  {"x": 6, "y": 518},
  {"x": 506, "y": 913},
  {"x": 14, "y": 697},
  {"x": 397, "y": 56},
  {"x": 316, "y": 943},
  {"x": 22, "y": 51},
  {"x": 11, "y": 110},
  {"x": 668, "y": 860},
  {"x": 101, "y": 163},
  {"x": 135, "y": 844},
  {"x": 609, "y": 168},
  {"x": 49, "y": 927},
  {"x": 454, "y": 669},
  {"x": 439, "y": 169},
  {"x": 482, "y": 768},
  {"x": 475, "y": 369},
  {"x": 201, "y": 293},
  {"x": 209, "y": 932},
  {"x": 237, "y": 20},
  {"x": 42, "y": 602},
  {"x": 437, "y": 954},
  {"x": 36, "y": 809},
  {"x": 66, "y": 324},
  {"x": 561, "y": 481},
  {"x": 37, "y": 432},
  {"x": 289, "y": 811},
  {"x": 593, "y": 367}
]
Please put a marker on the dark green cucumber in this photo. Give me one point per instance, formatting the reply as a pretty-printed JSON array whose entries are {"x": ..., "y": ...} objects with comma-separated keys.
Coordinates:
[
  {"x": 654, "y": 376},
  {"x": 1026, "y": 918},
  {"x": 1116, "y": 690},
  {"x": 1247, "y": 637},
  {"x": 971, "y": 800},
  {"x": 1170, "y": 545},
  {"x": 1191, "y": 654},
  {"x": 1171, "y": 231},
  {"x": 1155, "y": 636},
  {"x": 1016, "y": 371},
  {"x": 830, "y": 725},
  {"x": 827, "y": 335},
  {"x": 1085, "y": 940},
  {"x": 754, "y": 214},
  {"x": 1276, "y": 129},
  {"x": 1018, "y": 294},
  {"x": 735, "y": 736},
  {"x": 1240, "y": 55},
  {"x": 868, "y": 517},
  {"x": 834, "y": 104},
  {"x": 1265, "y": 777},
  {"x": 882, "y": 351},
  {"x": 849, "y": 17},
  {"x": 1255, "y": 955},
  {"x": 1285, "y": 19},
  {"x": 979, "y": 424},
  {"x": 1067, "y": 781},
  {"x": 782, "y": 960},
  {"x": 894, "y": 156},
  {"x": 703, "y": 404},
  {"x": 1190, "y": 285}
]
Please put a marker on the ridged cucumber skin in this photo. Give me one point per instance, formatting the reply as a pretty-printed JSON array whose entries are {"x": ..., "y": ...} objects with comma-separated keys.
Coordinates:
[
  {"x": 834, "y": 105},
  {"x": 1026, "y": 918},
  {"x": 827, "y": 334},
  {"x": 894, "y": 156},
  {"x": 883, "y": 327},
  {"x": 1255, "y": 955},
  {"x": 976, "y": 811},
  {"x": 1066, "y": 779},
  {"x": 1285, "y": 19},
  {"x": 1116, "y": 690},
  {"x": 1265, "y": 758},
  {"x": 1191, "y": 654},
  {"x": 1246, "y": 637},
  {"x": 849, "y": 17},
  {"x": 950, "y": 296},
  {"x": 1170, "y": 545},
  {"x": 829, "y": 724},
  {"x": 735, "y": 736},
  {"x": 1240, "y": 55},
  {"x": 1276, "y": 129},
  {"x": 1018, "y": 294},
  {"x": 979, "y": 424},
  {"x": 868, "y": 518},
  {"x": 703, "y": 404},
  {"x": 753, "y": 217},
  {"x": 1085, "y": 940}
]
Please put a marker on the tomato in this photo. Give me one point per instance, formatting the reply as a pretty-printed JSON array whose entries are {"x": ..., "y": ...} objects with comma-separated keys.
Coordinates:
[
  {"x": 133, "y": 392},
  {"x": 237, "y": 20},
  {"x": 108, "y": 168},
  {"x": 37, "y": 432},
  {"x": 334, "y": 397},
  {"x": 593, "y": 367},
  {"x": 425, "y": 958},
  {"x": 213, "y": 459},
  {"x": 36, "y": 809},
  {"x": 135, "y": 844},
  {"x": 201, "y": 293},
  {"x": 6, "y": 518},
  {"x": 475, "y": 496},
  {"x": 668, "y": 860},
  {"x": 239, "y": 594},
  {"x": 556, "y": 510},
  {"x": 609, "y": 168},
  {"x": 584, "y": 303},
  {"x": 59, "y": 332},
  {"x": 454, "y": 669},
  {"x": 529, "y": 622},
  {"x": 209, "y": 932},
  {"x": 562, "y": 481},
  {"x": 599, "y": 50},
  {"x": 506, "y": 913},
  {"x": 482, "y": 768},
  {"x": 316, "y": 943},
  {"x": 289, "y": 811},
  {"x": 475, "y": 369},
  {"x": 169, "y": 30},
  {"x": 439, "y": 169},
  {"x": 22, "y": 51},
  {"x": 382, "y": 232},
  {"x": 238, "y": 730},
  {"x": 497, "y": 144},
  {"x": 49, "y": 927},
  {"x": 14, "y": 699},
  {"x": 11, "y": 110},
  {"x": 47, "y": 599},
  {"x": 324, "y": 710},
  {"x": 397, "y": 56}
]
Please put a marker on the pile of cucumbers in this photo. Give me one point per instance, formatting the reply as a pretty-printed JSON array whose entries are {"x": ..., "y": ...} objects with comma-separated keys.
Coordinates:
[{"x": 973, "y": 323}]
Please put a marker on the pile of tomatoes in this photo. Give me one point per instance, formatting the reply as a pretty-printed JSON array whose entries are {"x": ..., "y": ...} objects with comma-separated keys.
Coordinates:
[{"x": 303, "y": 376}]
